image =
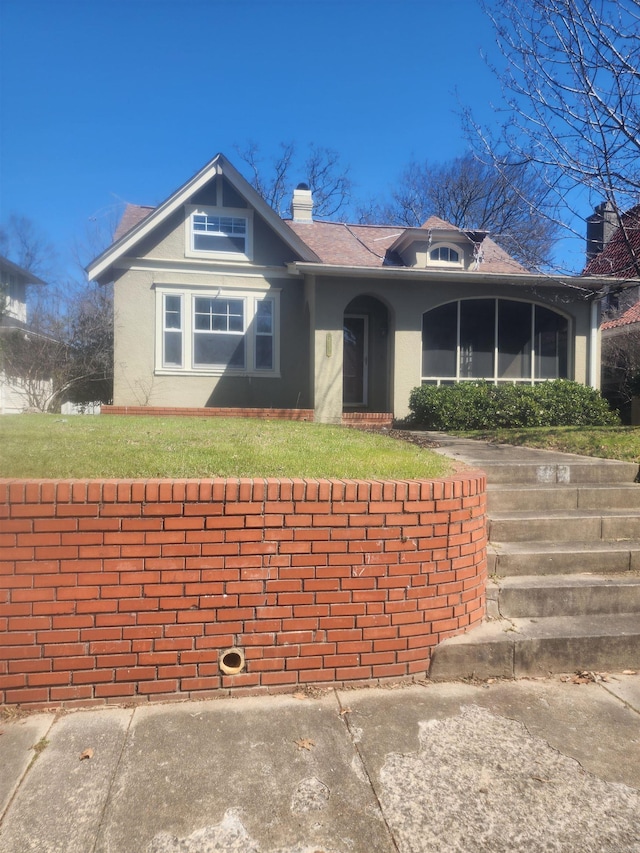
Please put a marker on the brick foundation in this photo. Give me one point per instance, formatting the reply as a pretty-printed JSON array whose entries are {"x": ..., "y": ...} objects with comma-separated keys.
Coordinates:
[
  {"x": 116, "y": 591},
  {"x": 211, "y": 412}
]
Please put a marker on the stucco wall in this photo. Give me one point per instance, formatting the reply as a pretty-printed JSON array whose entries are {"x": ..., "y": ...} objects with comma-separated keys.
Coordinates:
[
  {"x": 137, "y": 383},
  {"x": 407, "y": 301}
]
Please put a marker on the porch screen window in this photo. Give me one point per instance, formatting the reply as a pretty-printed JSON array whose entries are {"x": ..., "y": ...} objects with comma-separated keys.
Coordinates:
[
  {"x": 477, "y": 337},
  {"x": 218, "y": 330},
  {"x": 213, "y": 233},
  {"x": 172, "y": 332},
  {"x": 499, "y": 340}
]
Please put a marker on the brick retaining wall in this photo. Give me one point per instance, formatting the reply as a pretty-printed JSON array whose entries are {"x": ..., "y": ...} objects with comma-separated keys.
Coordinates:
[{"x": 115, "y": 591}]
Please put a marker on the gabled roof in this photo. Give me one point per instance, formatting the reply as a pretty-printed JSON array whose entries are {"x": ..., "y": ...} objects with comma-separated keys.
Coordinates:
[
  {"x": 145, "y": 223},
  {"x": 28, "y": 277},
  {"x": 616, "y": 259}
]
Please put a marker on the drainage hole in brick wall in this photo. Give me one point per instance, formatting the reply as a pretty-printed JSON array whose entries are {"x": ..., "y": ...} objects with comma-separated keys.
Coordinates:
[{"x": 232, "y": 661}]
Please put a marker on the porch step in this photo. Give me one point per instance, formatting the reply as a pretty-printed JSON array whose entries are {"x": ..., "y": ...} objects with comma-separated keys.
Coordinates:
[
  {"x": 537, "y": 596},
  {"x": 506, "y": 559},
  {"x": 368, "y": 419},
  {"x": 515, "y": 648},
  {"x": 540, "y": 473},
  {"x": 511, "y": 498},
  {"x": 563, "y": 525},
  {"x": 564, "y": 556}
]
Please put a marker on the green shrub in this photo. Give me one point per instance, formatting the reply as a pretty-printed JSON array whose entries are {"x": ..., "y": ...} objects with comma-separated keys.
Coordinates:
[{"x": 482, "y": 405}]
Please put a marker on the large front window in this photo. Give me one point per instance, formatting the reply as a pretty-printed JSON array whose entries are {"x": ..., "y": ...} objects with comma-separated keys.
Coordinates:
[
  {"x": 498, "y": 340},
  {"x": 217, "y": 332}
]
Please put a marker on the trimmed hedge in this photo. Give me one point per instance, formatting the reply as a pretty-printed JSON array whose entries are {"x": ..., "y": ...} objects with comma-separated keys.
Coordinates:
[{"x": 482, "y": 405}]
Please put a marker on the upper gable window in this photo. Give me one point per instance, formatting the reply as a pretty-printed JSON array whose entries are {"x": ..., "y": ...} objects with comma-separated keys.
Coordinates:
[
  {"x": 219, "y": 233},
  {"x": 445, "y": 255}
]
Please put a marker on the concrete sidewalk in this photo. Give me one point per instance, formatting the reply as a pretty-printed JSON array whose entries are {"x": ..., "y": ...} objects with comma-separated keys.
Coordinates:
[{"x": 530, "y": 765}]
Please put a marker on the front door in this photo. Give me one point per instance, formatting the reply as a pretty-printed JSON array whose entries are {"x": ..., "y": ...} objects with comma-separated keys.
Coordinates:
[{"x": 354, "y": 371}]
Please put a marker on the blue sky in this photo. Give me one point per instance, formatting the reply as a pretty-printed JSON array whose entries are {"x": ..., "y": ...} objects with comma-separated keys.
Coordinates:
[{"x": 104, "y": 101}]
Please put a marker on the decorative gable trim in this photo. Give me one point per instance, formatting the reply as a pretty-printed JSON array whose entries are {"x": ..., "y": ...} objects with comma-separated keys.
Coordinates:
[{"x": 218, "y": 166}]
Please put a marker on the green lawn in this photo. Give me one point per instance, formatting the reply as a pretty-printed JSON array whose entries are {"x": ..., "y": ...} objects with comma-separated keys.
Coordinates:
[
  {"x": 607, "y": 442},
  {"x": 54, "y": 446}
]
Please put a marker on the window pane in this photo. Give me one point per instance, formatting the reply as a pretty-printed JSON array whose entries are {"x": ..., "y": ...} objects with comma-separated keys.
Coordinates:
[
  {"x": 173, "y": 348},
  {"x": 172, "y": 312},
  {"x": 514, "y": 339},
  {"x": 218, "y": 350},
  {"x": 264, "y": 352},
  {"x": 264, "y": 318},
  {"x": 551, "y": 345},
  {"x": 217, "y": 243},
  {"x": 477, "y": 338},
  {"x": 219, "y": 233},
  {"x": 439, "y": 341}
]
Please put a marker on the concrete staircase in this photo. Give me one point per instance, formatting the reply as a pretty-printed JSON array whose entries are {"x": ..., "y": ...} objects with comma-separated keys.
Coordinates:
[{"x": 564, "y": 567}]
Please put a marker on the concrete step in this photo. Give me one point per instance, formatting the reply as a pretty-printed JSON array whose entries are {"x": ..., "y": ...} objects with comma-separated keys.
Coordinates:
[
  {"x": 569, "y": 595},
  {"x": 531, "y": 647},
  {"x": 563, "y": 525},
  {"x": 508, "y": 498},
  {"x": 506, "y": 559},
  {"x": 578, "y": 469}
]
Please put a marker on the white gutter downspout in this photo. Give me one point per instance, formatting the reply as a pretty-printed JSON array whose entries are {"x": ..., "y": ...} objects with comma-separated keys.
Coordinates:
[{"x": 594, "y": 323}]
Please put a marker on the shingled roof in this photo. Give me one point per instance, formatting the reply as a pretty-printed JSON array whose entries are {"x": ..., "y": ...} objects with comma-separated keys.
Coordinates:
[
  {"x": 366, "y": 245},
  {"x": 341, "y": 244},
  {"x": 133, "y": 214}
]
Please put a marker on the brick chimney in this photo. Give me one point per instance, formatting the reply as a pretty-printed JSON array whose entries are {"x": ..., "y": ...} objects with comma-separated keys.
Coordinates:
[
  {"x": 302, "y": 204},
  {"x": 600, "y": 227}
]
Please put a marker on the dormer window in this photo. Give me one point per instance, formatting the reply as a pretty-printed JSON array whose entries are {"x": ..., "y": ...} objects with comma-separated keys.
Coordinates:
[
  {"x": 445, "y": 255},
  {"x": 220, "y": 233}
]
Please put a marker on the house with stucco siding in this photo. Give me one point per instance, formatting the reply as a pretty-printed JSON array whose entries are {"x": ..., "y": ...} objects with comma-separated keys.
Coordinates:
[{"x": 220, "y": 302}]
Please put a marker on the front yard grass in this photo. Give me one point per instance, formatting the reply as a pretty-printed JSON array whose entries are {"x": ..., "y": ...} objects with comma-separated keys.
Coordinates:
[
  {"x": 621, "y": 443},
  {"x": 140, "y": 447}
]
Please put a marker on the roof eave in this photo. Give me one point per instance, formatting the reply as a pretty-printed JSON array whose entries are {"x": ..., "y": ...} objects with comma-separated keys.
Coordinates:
[
  {"x": 29, "y": 277},
  {"x": 595, "y": 283}
]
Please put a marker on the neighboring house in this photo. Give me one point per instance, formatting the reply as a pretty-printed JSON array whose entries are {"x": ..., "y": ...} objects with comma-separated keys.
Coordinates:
[
  {"x": 613, "y": 250},
  {"x": 220, "y": 302},
  {"x": 14, "y": 280}
]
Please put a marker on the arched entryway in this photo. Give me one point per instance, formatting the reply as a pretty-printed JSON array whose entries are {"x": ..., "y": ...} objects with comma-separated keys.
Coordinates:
[{"x": 365, "y": 371}]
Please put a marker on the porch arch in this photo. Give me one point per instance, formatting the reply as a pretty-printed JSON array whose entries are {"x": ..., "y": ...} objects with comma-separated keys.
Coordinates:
[{"x": 367, "y": 354}]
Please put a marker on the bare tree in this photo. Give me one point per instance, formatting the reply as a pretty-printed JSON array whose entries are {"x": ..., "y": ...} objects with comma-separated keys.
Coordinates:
[
  {"x": 474, "y": 196},
  {"x": 275, "y": 178},
  {"x": 621, "y": 368},
  {"x": 65, "y": 351},
  {"x": 570, "y": 74}
]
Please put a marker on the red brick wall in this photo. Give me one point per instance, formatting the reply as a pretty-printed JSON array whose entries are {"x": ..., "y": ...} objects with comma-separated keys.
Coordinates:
[
  {"x": 212, "y": 411},
  {"x": 129, "y": 590}
]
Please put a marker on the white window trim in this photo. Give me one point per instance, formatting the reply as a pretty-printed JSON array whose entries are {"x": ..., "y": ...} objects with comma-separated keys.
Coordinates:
[
  {"x": 447, "y": 264},
  {"x": 209, "y": 210},
  {"x": 251, "y": 299}
]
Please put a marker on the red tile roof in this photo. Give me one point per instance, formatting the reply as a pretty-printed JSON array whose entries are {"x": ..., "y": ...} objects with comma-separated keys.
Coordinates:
[
  {"x": 616, "y": 259},
  {"x": 631, "y": 315}
]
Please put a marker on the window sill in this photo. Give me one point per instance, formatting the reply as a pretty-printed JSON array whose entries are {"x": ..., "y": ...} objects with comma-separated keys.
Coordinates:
[{"x": 180, "y": 371}]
